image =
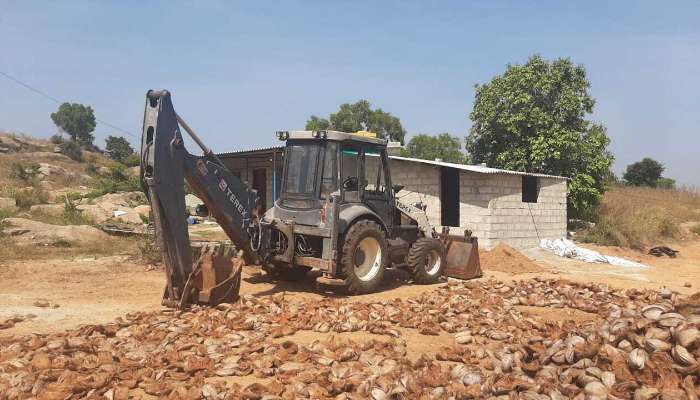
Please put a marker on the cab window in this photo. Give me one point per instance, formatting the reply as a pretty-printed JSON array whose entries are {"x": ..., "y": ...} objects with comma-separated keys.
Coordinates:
[
  {"x": 374, "y": 183},
  {"x": 350, "y": 168},
  {"x": 329, "y": 177}
]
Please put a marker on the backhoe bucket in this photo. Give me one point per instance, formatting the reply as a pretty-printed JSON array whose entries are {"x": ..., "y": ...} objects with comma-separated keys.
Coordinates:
[
  {"x": 215, "y": 278},
  {"x": 462, "y": 253}
]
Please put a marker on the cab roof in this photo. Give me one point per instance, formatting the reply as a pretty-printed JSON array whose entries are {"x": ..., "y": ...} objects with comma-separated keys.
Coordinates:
[{"x": 334, "y": 135}]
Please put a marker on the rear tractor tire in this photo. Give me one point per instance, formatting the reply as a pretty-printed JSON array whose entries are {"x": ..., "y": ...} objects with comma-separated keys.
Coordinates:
[
  {"x": 426, "y": 260},
  {"x": 363, "y": 257}
]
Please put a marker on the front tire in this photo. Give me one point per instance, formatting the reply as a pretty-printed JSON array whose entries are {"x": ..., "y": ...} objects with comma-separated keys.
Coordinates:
[
  {"x": 427, "y": 260},
  {"x": 363, "y": 257}
]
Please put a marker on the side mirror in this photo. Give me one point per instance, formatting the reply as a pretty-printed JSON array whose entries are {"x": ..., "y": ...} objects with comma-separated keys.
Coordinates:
[{"x": 398, "y": 188}]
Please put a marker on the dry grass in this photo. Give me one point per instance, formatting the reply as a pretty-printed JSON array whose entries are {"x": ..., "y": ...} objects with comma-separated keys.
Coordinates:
[{"x": 638, "y": 217}]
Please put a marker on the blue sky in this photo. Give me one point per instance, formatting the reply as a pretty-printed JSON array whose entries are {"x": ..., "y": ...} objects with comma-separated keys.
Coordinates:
[{"x": 240, "y": 71}]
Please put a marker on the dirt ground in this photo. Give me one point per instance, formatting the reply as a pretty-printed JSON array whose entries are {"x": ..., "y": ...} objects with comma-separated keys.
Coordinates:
[{"x": 98, "y": 289}]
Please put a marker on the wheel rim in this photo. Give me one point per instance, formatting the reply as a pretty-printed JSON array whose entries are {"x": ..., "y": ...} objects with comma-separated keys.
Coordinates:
[
  {"x": 432, "y": 262},
  {"x": 367, "y": 259}
]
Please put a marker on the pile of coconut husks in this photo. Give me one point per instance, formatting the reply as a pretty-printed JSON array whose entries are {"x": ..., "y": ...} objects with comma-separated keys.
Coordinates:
[{"x": 641, "y": 344}]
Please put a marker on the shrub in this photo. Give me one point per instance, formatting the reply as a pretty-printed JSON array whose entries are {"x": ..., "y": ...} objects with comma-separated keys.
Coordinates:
[
  {"x": 666, "y": 183},
  {"x": 73, "y": 216},
  {"x": 149, "y": 251},
  {"x": 24, "y": 171},
  {"x": 91, "y": 169},
  {"x": 133, "y": 160},
  {"x": 26, "y": 198},
  {"x": 72, "y": 150},
  {"x": 56, "y": 139},
  {"x": 117, "y": 180}
]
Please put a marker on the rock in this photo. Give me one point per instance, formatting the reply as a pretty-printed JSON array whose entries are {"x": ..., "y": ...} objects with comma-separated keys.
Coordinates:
[
  {"x": 126, "y": 199},
  {"x": 49, "y": 156},
  {"x": 59, "y": 195},
  {"x": 46, "y": 170},
  {"x": 27, "y": 232},
  {"x": 43, "y": 303},
  {"x": 48, "y": 209},
  {"x": 688, "y": 284},
  {"x": 7, "y": 203},
  {"x": 10, "y": 144},
  {"x": 102, "y": 208},
  {"x": 143, "y": 210},
  {"x": 127, "y": 215}
]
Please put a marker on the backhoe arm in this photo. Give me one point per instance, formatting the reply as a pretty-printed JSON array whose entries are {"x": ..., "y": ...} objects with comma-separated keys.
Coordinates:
[{"x": 165, "y": 164}]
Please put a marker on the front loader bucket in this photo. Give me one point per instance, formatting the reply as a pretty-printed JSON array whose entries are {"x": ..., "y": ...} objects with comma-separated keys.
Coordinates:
[
  {"x": 215, "y": 278},
  {"x": 462, "y": 253}
]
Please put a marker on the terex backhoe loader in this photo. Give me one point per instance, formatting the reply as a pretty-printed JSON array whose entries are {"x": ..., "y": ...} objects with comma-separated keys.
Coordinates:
[{"x": 337, "y": 213}]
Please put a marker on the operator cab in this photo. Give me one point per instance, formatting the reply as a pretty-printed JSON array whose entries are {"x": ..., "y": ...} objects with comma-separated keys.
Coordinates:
[{"x": 320, "y": 165}]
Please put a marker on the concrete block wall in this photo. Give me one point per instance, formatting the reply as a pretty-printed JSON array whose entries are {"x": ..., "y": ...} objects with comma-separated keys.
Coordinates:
[
  {"x": 520, "y": 224},
  {"x": 491, "y": 205},
  {"x": 238, "y": 166},
  {"x": 421, "y": 183},
  {"x": 475, "y": 192}
]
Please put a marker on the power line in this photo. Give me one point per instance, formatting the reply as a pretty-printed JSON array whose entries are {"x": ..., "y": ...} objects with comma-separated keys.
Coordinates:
[{"x": 57, "y": 101}]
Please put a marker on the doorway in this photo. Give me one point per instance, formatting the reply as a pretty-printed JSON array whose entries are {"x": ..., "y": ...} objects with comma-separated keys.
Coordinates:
[
  {"x": 260, "y": 184},
  {"x": 449, "y": 196}
]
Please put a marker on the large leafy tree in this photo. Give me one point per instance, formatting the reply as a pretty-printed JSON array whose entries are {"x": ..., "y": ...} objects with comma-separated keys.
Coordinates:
[
  {"x": 360, "y": 116},
  {"x": 533, "y": 119},
  {"x": 646, "y": 172},
  {"x": 317, "y": 124},
  {"x": 76, "y": 120},
  {"x": 428, "y": 147},
  {"x": 118, "y": 148}
]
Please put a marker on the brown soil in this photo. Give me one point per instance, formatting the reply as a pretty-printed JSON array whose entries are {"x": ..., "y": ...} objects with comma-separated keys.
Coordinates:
[
  {"x": 506, "y": 259},
  {"x": 98, "y": 289}
]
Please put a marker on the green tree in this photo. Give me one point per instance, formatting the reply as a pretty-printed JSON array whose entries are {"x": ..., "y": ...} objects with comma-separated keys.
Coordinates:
[
  {"x": 118, "y": 148},
  {"x": 76, "y": 120},
  {"x": 317, "y": 124},
  {"x": 644, "y": 173},
  {"x": 360, "y": 116},
  {"x": 533, "y": 119},
  {"x": 428, "y": 147}
]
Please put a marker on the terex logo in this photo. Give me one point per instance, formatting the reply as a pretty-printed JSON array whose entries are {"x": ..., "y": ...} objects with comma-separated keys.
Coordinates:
[{"x": 224, "y": 187}]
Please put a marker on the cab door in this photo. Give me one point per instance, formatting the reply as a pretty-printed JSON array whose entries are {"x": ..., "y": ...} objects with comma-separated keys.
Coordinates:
[{"x": 375, "y": 184}]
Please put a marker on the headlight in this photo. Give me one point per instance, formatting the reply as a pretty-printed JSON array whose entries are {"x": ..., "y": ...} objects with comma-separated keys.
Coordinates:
[{"x": 282, "y": 135}]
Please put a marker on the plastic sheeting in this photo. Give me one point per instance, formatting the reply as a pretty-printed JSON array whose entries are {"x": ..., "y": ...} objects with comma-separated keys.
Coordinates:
[{"x": 567, "y": 248}]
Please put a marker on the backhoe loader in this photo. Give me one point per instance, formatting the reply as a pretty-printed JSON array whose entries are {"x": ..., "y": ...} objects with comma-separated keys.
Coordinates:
[{"x": 337, "y": 213}]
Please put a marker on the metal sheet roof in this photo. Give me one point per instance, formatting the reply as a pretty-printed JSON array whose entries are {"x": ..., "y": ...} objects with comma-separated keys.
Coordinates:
[
  {"x": 475, "y": 168},
  {"x": 464, "y": 167},
  {"x": 241, "y": 152}
]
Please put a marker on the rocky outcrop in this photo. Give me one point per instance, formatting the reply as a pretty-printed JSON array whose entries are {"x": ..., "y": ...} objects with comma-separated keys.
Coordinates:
[{"x": 28, "y": 232}]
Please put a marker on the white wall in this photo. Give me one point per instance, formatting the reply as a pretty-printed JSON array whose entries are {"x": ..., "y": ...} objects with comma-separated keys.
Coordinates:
[{"x": 491, "y": 205}]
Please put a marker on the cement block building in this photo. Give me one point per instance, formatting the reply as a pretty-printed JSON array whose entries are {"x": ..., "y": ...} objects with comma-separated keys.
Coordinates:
[{"x": 498, "y": 206}]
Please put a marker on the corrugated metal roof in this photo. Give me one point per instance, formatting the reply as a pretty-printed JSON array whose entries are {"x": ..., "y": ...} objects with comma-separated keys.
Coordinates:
[
  {"x": 475, "y": 168},
  {"x": 260, "y": 149}
]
